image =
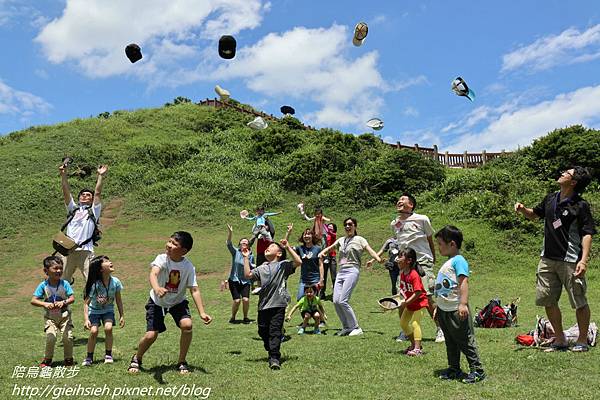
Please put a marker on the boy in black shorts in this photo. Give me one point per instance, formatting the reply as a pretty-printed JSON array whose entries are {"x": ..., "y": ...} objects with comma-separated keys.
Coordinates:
[{"x": 171, "y": 273}]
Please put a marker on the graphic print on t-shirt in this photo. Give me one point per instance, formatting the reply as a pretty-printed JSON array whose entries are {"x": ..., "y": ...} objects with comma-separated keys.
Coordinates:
[{"x": 173, "y": 282}]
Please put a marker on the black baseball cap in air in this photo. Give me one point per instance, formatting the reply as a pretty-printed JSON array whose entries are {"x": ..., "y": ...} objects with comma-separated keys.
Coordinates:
[
  {"x": 227, "y": 47},
  {"x": 133, "y": 52}
]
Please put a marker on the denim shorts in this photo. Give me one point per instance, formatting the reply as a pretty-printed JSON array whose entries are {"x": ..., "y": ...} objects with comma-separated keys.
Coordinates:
[{"x": 95, "y": 319}]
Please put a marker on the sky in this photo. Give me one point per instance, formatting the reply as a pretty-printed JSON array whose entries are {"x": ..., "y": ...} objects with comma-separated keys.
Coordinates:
[{"x": 534, "y": 65}]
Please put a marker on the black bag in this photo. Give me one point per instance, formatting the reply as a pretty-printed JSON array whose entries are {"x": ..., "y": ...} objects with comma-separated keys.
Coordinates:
[{"x": 270, "y": 227}]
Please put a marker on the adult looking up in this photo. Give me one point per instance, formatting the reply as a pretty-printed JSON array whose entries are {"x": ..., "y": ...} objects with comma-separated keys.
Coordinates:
[
  {"x": 568, "y": 230},
  {"x": 82, "y": 218},
  {"x": 238, "y": 284},
  {"x": 415, "y": 231},
  {"x": 311, "y": 270},
  {"x": 350, "y": 247}
]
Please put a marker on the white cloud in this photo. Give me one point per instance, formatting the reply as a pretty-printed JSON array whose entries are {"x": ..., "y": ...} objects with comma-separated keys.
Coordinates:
[
  {"x": 410, "y": 112},
  {"x": 19, "y": 103},
  {"x": 552, "y": 50},
  {"x": 513, "y": 126},
  {"x": 94, "y": 33}
]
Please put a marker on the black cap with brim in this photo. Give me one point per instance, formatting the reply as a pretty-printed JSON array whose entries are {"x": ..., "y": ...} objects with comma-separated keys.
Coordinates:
[
  {"x": 133, "y": 52},
  {"x": 227, "y": 47}
]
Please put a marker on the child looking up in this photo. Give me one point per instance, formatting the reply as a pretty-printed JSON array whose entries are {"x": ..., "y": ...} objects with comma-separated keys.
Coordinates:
[{"x": 310, "y": 307}]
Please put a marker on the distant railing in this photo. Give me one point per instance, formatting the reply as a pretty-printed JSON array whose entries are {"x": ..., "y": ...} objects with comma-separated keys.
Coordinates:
[{"x": 452, "y": 160}]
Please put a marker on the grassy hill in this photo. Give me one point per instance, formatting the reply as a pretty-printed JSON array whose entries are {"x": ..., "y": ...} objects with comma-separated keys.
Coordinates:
[{"x": 192, "y": 168}]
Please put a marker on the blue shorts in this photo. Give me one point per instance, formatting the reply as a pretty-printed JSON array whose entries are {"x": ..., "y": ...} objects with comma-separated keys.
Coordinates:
[
  {"x": 96, "y": 319},
  {"x": 155, "y": 315}
]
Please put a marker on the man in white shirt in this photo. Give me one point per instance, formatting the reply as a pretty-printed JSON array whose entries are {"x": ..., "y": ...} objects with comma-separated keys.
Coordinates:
[{"x": 82, "y": 219}]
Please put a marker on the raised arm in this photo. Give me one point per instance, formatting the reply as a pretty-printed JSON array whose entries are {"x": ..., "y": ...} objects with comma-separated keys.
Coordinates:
[
  {"x": 372, "y": 253},
  {"x": 527, "y": 212},
  {"x": 247, "y": 271},
  {"x": 326, "y": 250},
  {"x": 66, "y": 189},
  {"x": 295, "y": 257},
  {"x": 98, "y": 191},
  {"x": 289, "y": 230}
]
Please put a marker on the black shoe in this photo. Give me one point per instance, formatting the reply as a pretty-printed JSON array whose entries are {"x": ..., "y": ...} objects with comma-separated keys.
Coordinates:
[
  {"x": 451, "y": 374},
  {"x": 247, "y": 321},
  {"x": 232, "y": 320},
  {"x": 274, "y": 364},
  {"x": 474, "y": 377}
]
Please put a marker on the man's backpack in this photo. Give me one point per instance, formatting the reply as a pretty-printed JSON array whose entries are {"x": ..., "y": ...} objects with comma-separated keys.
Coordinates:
[
  {"x": 96, "y": 235},
  {"x": 494, "y": 315},
  {"x": 270, "y": 227}
]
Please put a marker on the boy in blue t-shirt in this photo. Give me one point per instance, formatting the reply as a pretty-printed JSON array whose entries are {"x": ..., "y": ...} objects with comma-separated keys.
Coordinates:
[
  {"x": 54, "y": 295},
  {"x": 452, "y": 312}
]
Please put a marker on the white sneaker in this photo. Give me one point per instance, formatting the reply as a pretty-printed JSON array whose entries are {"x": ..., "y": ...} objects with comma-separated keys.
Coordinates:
[
  {"x": 356, "y": 332},
  {"x": 401, "y": 337},
  {"x": 439, "y": 337},
  {"x": 343, "y": 332},
  {"x": 256, "y": 290}
]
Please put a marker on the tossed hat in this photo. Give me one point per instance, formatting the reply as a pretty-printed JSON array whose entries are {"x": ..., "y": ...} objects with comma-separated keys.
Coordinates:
[
  {"x": 223, "y": 93},
  {"x": 375, "y": 124},
  {"x": 360, "y": 33},
  {"x": 133, "y": 52},
  {"x": 257, "y": 123},
  {"x": 459, "y": 86},
  {"x": 227, "y": 47},
  {"x": 287, "y": 110},
  {"x": 244, "y": 214}
]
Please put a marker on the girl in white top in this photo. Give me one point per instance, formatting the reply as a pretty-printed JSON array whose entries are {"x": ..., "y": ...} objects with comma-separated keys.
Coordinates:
[{"x": 350, "y": 248}]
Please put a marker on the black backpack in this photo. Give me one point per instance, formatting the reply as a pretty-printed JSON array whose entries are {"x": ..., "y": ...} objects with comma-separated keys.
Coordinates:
[
  {"x": 96, "y": 235},
  {"x": 270, "y": 227}
]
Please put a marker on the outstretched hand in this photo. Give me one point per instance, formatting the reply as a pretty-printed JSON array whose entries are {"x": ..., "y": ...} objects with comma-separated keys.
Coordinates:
[
  {"x": 102, "y": 170},
  {"x": 230, "y": 228}
]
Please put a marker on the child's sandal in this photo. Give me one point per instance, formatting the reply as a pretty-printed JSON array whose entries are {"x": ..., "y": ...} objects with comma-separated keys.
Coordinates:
[
  {"x": 183, "y": 368},
  {"x": 135, "y": 365}
]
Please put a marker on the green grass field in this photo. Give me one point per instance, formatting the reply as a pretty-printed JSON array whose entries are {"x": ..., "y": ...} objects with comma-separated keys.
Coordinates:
[{"x": 229, "y": 359}]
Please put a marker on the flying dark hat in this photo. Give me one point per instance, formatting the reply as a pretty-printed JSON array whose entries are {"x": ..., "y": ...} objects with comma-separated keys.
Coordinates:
[
  {"x": 227, "y": 47},
  {"x": 133, "y": 52},
  {"x": 287, "y": 110},
  {"x": 459, "y": 86}
]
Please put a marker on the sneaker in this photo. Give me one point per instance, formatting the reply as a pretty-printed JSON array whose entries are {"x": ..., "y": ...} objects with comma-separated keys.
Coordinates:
[
  {"x": 474, "y": 377},
  {"x": 256, "y": 290},
  {"x": 87, "y": 362},
  {"x": 69, "y": 362},
  {"x": 108, "y": 359},
  {"x": 135, "y": 365},
  {"x": 321, "y": 324},
  {"x": 183, "y": 368},
  {"x": 414, "y": 353},
  {"x": 300, "y": 331},
  {"x": 342, "y": 332},
  {"x": 232, "y": 320},
  {"x": 274, "y": 364},
  {"x": 46, "y": 362},
  {"x": 439, "y": 337},
  {"x": 401, "y": 337},
  {"x": 356, "y": 332},
  {"x": 450, "y": 374},
  {"x": 317, "y": 331}
]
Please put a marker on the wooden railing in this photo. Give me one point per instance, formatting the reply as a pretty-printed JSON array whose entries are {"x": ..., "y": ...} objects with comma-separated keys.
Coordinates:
[{"x": 452, "y": 160}]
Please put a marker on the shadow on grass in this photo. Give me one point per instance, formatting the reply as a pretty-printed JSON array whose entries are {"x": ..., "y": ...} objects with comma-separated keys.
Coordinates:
[
  {"x": 283, "y": 359},
  {"x": 158, "y": 371}
]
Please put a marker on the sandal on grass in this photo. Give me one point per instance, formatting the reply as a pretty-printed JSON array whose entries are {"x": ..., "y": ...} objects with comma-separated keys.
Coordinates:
[
  {"x": 183, "y": 368},
  {"x": 580, "y": 348},
  {"x": 555, "y": 347},
  {"x": 135, "y": 365}
]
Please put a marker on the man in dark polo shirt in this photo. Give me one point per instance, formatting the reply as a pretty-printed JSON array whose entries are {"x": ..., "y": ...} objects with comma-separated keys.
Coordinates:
[{"x": 568, "y": 230}]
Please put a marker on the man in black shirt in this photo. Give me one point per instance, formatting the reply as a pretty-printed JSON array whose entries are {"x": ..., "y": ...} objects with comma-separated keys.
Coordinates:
[{"x": 568, "y": 230}]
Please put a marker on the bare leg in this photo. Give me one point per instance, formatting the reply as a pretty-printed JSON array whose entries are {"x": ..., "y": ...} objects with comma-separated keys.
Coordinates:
[
  {"x": 186, "y": 338},
  {"x": 555, "y": 317},
  {"x": 583, "y": 322}
]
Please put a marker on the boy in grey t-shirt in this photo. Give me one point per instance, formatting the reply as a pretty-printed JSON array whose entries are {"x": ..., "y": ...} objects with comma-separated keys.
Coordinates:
[{"x": 273, "y": 297}]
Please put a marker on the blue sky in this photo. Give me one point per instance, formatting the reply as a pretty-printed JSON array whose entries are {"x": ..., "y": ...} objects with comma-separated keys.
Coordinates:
[{"x": 534, "y": 65}]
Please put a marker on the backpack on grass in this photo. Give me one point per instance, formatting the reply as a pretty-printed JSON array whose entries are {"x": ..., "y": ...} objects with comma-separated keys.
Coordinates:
[{"x": 494, "y": 315}]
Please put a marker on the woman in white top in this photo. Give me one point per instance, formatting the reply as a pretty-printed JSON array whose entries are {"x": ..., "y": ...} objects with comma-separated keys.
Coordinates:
[{"x": 350, "y": 248}]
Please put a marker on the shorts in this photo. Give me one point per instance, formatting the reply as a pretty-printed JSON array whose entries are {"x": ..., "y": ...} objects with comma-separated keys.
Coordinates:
[
  {"x": 95, "y": 319},
  {"x": 239, "y": 290},
  {"x": 309, "y": 313},
  {"x": 155, "y": 315},
  {"x": 429, "y": 278},
  {"x": 552, "y": 275}
]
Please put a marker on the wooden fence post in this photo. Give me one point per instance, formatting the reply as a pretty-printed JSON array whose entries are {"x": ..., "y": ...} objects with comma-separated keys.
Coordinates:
[
  {"x": 398, "y": 145},
  {"x": 446, "y": 160},
  {"x": 465, "y": 163},
  {"x": 483, "y": 157},
  {"x": 435, "y": 152}
]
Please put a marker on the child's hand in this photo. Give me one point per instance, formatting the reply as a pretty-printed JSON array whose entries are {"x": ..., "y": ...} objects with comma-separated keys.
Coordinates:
[
  {"x": 121, "y": 321},
  {"x": 87, "y": 325},
  {"x": 160, "y": 292},
  {"x": 290, "y": 227},
  {"x": 369, "y": 264},
  {"x": 246, "y": 252},
  {"x": 102, "y": 170},
  {"x": 206, "y": 318},
  {"x": 463, "y": 311},
  {"x": 284, "y": 242}
]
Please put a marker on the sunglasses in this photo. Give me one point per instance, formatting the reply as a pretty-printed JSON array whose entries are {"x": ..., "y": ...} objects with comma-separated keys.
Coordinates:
[{"x": 348, "y": 224}]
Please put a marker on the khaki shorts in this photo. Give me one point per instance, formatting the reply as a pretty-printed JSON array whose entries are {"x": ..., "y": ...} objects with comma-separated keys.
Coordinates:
[
  {"x": 61, "y": 326},
  {"x": 552, "y": 275},
  {"x": 429, "y": 278},
  {"x": 79, "y": 259}
]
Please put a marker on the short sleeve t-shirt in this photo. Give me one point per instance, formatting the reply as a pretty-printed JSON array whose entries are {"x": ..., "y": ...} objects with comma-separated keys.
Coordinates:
[
  {"x": 350, "y": 250},
  {"x": 413, "y": 232},
  {"x": 81, "y": 227},
  {"x": 304, "y": 304},
  {"x": 53, "y": 294},
  {"x": 409, "y": 284},
  {"x": 446, "y": 284},
  {"x": 102, "y": 298},
  {"x": 309, "y": 270},
  {"x": 273, "y": 279},
  {"x": 174, "y": 276},
  {"x": 237, "y": 265}
]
